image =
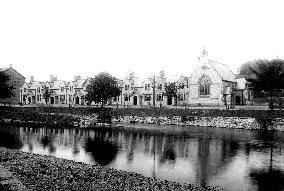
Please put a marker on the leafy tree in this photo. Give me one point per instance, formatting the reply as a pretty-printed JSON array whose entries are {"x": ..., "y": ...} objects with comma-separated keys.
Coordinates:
[
  {"x": 268, "y": 76},
  {"x": 102, "y": 87},
  {"x": 46, "y": 94},
  {"x": 5, "y": 89},
  {"x": 245, "y": 68},
  {"x": 171, "y": 90}
]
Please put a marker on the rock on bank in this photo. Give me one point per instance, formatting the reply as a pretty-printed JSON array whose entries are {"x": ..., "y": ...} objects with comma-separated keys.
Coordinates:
[{"x": 38, "y": 172}]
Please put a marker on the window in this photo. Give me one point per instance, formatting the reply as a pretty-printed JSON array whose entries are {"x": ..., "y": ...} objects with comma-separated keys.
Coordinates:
[
  {"x": 126, "y": 87},
  {"x": 147, "y": 87},
  {"x": 25, "y": 89},
  {"x": 62, "y": 98},
  {"x": 181, "y": 97},
  {"x": 147, "y": 97},
  {"x": 181, "y": 86},
  {"x": 126, "y": 98},
  {"x": 115, "y": 99},
  {"x": 62, "y": 89},
  {"x": 160, "y": 86},
  {"x": 204, "y": 86},
  {"x": 159, "y": 97}
]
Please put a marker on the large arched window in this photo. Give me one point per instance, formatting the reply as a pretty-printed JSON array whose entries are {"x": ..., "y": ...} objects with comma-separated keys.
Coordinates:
[{"x": 204, "y": 86}]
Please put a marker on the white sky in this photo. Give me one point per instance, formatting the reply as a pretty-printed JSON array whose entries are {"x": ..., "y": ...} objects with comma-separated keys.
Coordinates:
[{"x": 86, "y": 37}]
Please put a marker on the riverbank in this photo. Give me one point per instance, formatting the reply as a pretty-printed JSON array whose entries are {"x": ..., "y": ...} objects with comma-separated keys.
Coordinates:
[
  {"x": 37, "y": 172},
  {"x": 62, "y": 117},
  {"x": 145, "y": 112}
]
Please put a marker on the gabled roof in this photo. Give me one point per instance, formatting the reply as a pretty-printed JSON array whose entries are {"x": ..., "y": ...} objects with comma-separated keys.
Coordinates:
[
  {"x": 137, "y": 82},
  {"x": 79, "y": 83},
  {"x": 146, "y": 80},
  {"x": 10, "y": 68},
  {"x": 43, "y": 84},
  {"x": 29, "y": 84},
  {"x": 78, "y": 93},
  {"x": 223, "y": 71},
  {"x": 161, "y": 79},
  {"x": 241, "y": 83},
  {"x": 172, "y": 78},
  {"x": 3, "y": 69},
  {"x": 182, "y": 78}
]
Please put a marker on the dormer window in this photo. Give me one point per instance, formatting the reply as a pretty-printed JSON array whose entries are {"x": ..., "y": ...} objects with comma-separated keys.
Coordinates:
[
  {"x": 126, "y": 87},
  {"x": 147, "y": 87},
  {"x": 181, "y": 86}
]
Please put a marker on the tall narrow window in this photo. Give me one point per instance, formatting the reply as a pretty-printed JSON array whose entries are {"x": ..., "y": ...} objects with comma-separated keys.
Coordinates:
[{"x": 204, "y": 86}]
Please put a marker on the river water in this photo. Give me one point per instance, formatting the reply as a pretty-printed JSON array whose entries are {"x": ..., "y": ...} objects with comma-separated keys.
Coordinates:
[{"x": 233, "y": 159}]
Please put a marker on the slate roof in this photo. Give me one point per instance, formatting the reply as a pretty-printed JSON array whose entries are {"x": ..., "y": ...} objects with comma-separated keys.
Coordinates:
[
  {"x": 241, "y": 83},
  {"x": 3, "y": 69},
  {"x": 172, "y": 78},
  {"x": 224, "y": 72},
  {"x": 79, "y": 83}
]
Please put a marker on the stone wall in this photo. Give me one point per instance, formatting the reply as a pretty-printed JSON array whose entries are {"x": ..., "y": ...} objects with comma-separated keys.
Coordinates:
[{"x": 221, "y": 122}]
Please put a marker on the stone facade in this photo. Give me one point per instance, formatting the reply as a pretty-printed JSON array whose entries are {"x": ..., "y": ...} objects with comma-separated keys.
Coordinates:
[
  {"x": 62, "y": 92},
  {"x": 16, "y": 80},
  {"x": 211, "y": 84}
]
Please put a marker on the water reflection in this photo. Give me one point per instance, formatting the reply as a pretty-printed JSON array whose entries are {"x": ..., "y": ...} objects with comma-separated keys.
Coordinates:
[
  {"x": 47, "y": 141},
  {"x": 271, "y": 179},
  {"x": 103, "y": 151},
  {"x": 207, "y": 156},
  {"x": 9, "y": 138}
]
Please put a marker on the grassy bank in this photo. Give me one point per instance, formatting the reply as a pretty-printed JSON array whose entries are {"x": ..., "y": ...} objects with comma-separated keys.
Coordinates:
[
  {"x": 143, "y": 112},
  {"x": 63, "y": 117},
  {"x": 38, "y": 172},
  {"x": 33, "y": 116}
]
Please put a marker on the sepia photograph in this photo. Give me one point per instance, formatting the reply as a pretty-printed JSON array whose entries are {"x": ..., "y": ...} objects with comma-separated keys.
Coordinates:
[{"x": 142, "y": 95}]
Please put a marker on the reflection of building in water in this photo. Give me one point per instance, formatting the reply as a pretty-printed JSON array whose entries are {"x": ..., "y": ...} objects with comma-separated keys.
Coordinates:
[
  {"x": 213, "y": 156},
  {"x": 52, "y": 138},
  {"x": 207, "y": 156}
]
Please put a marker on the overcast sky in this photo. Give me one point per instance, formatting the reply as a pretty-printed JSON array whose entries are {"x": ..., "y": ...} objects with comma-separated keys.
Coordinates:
[{"x": 65, "y": 38}]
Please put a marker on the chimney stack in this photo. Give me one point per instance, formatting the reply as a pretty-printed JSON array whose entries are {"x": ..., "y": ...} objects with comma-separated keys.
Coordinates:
[
  {"x": 162, "y": 74},
  {"x": 77, "y": 77},
  {"x": 32, "y": 79},
  {"x": 52, "y": 78},
  {"x": 131, "y": 75}
]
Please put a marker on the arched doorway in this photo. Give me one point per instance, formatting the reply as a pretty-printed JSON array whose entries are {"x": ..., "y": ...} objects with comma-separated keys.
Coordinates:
[
  {"x": 135, "y": 100},
  {"x": 52, "y": 100},
  {"x": 77, "y": 100},
  {"x": 170, "y": 101},
  {"x": 238, "y": 100}
]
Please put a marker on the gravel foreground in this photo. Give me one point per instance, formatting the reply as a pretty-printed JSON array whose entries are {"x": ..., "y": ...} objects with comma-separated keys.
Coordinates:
[{"x": 37, "y": 172}]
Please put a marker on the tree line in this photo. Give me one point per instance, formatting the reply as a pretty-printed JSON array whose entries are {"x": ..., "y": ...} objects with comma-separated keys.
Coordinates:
[{"x": 265, "y": 77}]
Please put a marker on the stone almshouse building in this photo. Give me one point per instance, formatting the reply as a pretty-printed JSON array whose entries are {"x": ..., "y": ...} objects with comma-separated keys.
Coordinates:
[
  {"x": 16, "y": 80},
  {"x": 211, "y": 84}
]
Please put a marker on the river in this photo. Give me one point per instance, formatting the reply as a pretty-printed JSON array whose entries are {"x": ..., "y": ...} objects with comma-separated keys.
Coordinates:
[{"x": 238, "y": 160}]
